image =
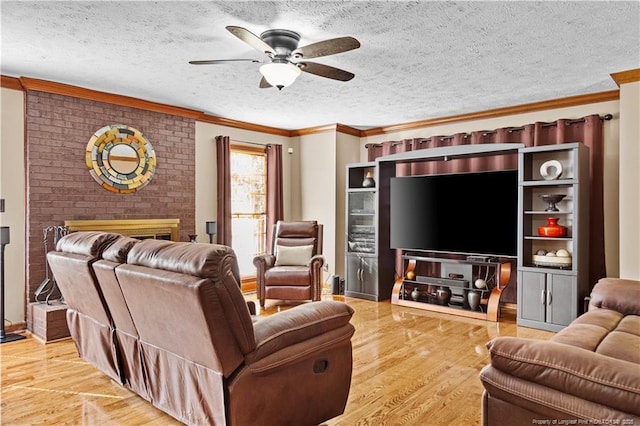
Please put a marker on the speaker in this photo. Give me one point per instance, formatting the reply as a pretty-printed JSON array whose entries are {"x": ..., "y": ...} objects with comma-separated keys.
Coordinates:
[
  {"x": 337, "y": 285},
  {"x": 212, "y": 228},
  {"x": 4, "y": 235}
]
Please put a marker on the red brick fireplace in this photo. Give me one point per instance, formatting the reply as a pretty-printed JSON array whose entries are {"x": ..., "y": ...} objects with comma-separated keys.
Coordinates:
[{"x": 60, "y": 188}]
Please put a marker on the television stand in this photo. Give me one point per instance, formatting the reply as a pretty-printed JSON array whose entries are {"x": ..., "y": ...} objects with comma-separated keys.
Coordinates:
[{"x": 443, "y": 284}]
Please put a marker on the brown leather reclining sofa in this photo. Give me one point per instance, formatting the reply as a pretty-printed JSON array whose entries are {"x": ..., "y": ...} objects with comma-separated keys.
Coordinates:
[
  {"x": 168, "y": 321},
  {"x": 588, "y": 373}
]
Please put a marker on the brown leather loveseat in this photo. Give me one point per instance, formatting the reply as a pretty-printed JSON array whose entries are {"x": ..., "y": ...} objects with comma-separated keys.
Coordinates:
[
  {"x": 174, "y": 327},
  {"x": 588, "y": 373}
]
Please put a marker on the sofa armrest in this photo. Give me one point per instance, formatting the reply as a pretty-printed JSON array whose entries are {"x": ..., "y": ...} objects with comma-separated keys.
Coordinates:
[
  {"x": 296, "y": 325},
  {"x": 573, "y": 371},
  {"x": 316, "y": 262},
  {"x": 264, "y": 262},
  {"x": 617, "y": 294}
]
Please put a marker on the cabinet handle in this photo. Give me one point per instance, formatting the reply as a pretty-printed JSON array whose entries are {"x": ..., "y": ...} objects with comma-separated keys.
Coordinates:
[
  {"x": 548, "y": 298},
  {"x": 542, "y": 298}
]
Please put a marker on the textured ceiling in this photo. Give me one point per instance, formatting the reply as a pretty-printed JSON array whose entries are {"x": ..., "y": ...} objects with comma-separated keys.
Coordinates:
[{"x": 417, "y": 60}]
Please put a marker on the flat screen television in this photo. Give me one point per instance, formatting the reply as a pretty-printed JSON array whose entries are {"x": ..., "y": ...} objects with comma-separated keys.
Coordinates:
[{"x": 467, "y": 213}]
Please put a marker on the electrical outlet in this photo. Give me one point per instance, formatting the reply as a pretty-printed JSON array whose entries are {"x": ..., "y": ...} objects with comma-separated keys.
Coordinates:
[{"x": 326, "y": 267}]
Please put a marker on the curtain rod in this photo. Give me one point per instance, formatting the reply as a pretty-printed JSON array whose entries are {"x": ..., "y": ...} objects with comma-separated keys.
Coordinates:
[
  {"x": 605, "y": 117},
  {"x": 252, "y": 143}
]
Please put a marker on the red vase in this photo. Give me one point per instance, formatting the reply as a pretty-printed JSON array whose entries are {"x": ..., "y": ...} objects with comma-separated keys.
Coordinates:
[{"x": 552, "y": 229}]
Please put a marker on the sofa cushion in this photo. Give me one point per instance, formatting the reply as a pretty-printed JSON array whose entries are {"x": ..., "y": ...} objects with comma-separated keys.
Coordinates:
[
  {"x": 624, "y": 341},
  {"x": 294, "y": 255},
  {"x": 86, "y": 243},
  {"x": 572, "y": 370},
  {"x": 292, "y": 275},
  {"x": 605, "y": 332},
  {"x": 616, "y": 294},
  {"x": 300, "y": 233},
  {"x": 117, "y": 252},
  {"x": 199, "y": 260},
  {"x": 588, "y": 330}
]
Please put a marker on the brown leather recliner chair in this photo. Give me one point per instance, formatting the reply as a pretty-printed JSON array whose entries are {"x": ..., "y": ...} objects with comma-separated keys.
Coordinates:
[
  {"x": 88, "y": 316},
  {"x": 126, "y": 333},
  {"x": 293, "y": 269},
  {"x": 210, "y": 364}
]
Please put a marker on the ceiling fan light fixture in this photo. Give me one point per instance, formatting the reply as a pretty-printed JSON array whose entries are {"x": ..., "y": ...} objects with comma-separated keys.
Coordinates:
[{"x": 280, "y": 74}]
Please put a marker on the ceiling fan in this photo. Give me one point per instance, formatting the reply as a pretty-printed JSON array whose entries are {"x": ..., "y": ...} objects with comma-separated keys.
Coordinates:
[{"x": 286, "y": 61}]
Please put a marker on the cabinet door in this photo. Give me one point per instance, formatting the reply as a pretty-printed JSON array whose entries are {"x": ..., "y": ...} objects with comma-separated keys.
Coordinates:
[
  {"x": 369, "y": 276},
  {"x": 361, "y": 217},
  {"x": 532, "y": 295},
  {"x": 362, "y": 275},
  {"x": 353, "y": 282},
  {"x": 561, "y": 299}
]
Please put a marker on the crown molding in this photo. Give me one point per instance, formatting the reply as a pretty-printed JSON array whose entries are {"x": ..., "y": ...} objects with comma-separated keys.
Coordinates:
[
  {"x": 611, "y": 95},
  {"x": 242, "y": 125},
  {"x": 10, "y": 83},
  {"x": 27, "y": 83},
  {"x": 95, "y": 95},
  {"x": 628, "y": 76},
  {"x": 348, "y": 130},
  {"x": 313, "y": 130},
  {"x": 341, "y": 128}
]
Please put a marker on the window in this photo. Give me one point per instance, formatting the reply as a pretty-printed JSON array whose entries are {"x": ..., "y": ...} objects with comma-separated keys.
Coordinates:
[{"x": 248, "y": 205}]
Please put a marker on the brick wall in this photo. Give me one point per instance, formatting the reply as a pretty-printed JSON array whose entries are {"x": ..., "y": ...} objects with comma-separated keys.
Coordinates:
[{"x": 59, "y": 186}]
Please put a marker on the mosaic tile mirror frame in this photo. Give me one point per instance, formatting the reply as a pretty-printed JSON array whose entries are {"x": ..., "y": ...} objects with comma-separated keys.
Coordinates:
[{"x": 120, "y": 159}]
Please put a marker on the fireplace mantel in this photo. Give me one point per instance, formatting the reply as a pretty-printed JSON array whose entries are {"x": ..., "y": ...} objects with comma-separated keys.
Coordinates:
[{"x": 167, "y": 229}]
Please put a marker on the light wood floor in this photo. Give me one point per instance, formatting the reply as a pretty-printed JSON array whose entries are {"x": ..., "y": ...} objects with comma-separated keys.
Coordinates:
[{"x": 410, "y": 367}]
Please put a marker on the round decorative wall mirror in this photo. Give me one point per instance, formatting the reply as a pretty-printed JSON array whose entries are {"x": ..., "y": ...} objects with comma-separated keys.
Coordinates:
[{"x": 120, "y": 158}]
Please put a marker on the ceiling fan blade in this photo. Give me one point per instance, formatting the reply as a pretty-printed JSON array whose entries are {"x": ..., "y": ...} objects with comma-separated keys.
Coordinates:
[
  {"x": 264, "y": 84},
  {"x": 325, "y": 71},
  {"x": 221, "y": 61},
  {"x": 327, "y": 47},
  {"x": 251, "y": 39}
]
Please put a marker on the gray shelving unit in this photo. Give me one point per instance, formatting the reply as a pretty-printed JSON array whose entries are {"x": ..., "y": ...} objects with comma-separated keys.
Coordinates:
[
  {"x": 550, "y": 294},
  {"x": 368, "y": 259}
]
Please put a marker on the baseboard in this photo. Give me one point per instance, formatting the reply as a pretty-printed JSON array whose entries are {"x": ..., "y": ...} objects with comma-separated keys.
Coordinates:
[
  {"x": 248, "y": 286},
  {"x": 16, "y": 327}
]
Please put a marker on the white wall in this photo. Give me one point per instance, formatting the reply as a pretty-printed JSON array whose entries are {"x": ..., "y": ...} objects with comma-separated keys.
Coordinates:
[
  {"x": 318, "y": 172},
  {"x": 629, "y": 161},
  {"x": 12, "y": 189},
  {"x": 611, "y": 155}
]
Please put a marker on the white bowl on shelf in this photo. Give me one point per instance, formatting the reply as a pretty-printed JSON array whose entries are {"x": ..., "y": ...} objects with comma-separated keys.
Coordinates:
[{"x": 553, "y": 261}]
